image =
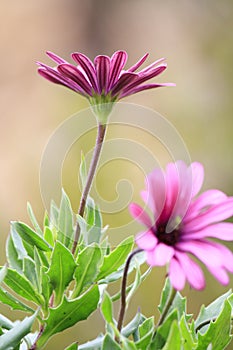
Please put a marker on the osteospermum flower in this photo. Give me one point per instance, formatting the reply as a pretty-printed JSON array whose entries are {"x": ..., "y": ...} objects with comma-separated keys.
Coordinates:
[
  {"x": 182, "y": 225},
  {"x": 104, "y": 81}
]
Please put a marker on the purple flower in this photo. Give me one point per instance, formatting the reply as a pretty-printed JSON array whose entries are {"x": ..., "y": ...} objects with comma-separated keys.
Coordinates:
[
  {"x": 182, "y": 224},
  {"x": 105, "y": 80}
]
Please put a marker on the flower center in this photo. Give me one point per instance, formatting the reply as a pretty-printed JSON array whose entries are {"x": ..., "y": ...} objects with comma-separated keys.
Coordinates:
[{"x": 170, "y": 238}]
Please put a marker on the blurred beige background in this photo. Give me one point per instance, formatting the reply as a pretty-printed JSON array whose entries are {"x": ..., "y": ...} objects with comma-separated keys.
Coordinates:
[{"x": 196, "y": 37}]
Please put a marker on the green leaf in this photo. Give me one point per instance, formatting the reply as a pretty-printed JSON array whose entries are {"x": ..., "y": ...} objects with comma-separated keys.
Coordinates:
[
  {"x": 29, "y": 270},
  {"x": 73, "y": 346},
  {"x": 106, "y": 308},
  {"x": 88, "y": 267},
  {"x": 110, "y": 343},
  {"x": 179, "y": 303},
  {"x": 129, "y": 345},
  {"x": 211, "y": 311},
  {"x": 162, "y": 332},
  {"x": 65, "y": 221},
  {"x": 38, "y": 267},
  {"x": 165, "y": 295},
  {"x": 61, "y": 270},
  {"x": 20, "y": 285},
  {"x": 5, "y": 323},
  {"x": 11, "y": 339},
  {"x": 146, "y": 330},
  {"x": 174, "y": 339},
  {"x": 116, "y": 258},
  {"x": 68, "y": 313},
  {"x": 3, "y": 273},
  {"x": 33, "y": 219},
  {"x": 54, "y": 214},
  {"x": 46, "y": 288},
  {"x": 186, "y": 333},
  {"x": 12, "y": 255},
  {"x": 8, "y": 299},
  {"x": 30, "y": 236},
  {"x": 48, "y": 236},
  {"x": 219, "y": 331}
]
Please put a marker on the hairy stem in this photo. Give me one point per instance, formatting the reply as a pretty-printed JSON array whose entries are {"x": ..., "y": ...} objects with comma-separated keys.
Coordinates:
[
  {"x": 123, "y": 290},
  {"x": 90, "y": 177}
]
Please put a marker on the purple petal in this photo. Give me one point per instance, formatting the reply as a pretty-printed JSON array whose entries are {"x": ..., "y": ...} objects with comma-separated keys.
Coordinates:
[
  {"x": 220, "y": 274},
  {"x": 74, "y": 74},
  {"x": 176, "y": 274},
  {"x": 226, "y": 254},
  {"x": 216, "y": 213},
  {"x": 88, "y": 67},
  {"x": 140, "y": 215},
  {"x": 193, "y": 272},
  {"x": 118, "y": 61},
  {"x": 223, "y": 230},
  {"x": 163, "y": 254},
  {"x": 102, "y": 64},
  {"x": 144, "y": 87},
  {"x": 197, "y": 177},
  {"x": 124, "y": 80},
  {"x": 55, "y": 58},
  {"x": 152, "y": 66},
  {"x": 138, "y": 64},
  {"x": 156, "y": 191},
  {"x": 146, "y": 240}
]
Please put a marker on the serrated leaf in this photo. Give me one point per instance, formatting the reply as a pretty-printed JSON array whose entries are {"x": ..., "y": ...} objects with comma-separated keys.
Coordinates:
[
  {"x": 65, "y": 221},
  {"x": 211, "y": 311},
  {"x": 186, "y": 334},
  {"x": 179, "y": 303},
  {"x": 30, "y": 236},
  {"x": 106, "y": 308},
  {"x": 15, "y": 304},
  {"x": 219, "y": 331},
  {"x": 174, "y": 340},
  {"x": 68, "y": 313},
  {"x": 88, "y": 267},
  {"x": 162, "y": 332},
  {"x": 33, "y": 219},
  {"x": 20, "y": 285},
  {"x": 11, "y": 339},
  {"x": 61, "y": 270},
  {"x": 110, "y": 343},
  {"x": 116, "y": 258}
]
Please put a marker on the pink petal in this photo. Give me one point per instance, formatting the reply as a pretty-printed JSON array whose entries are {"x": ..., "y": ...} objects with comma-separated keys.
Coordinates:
[
  {"x": 137, "y": 89},
  {"x": 152, "y": 66},
  {"x": 223, "y": 230},
  {"x": 140, "y": 215},
  {"x": 74, "y": 74},
  {"x": 55, "y": 58},
  {"x": 163, "y": 254},
  {"x": 226, "y": 254},
  {"x": 220, "y": 274},
  {"x": 88, "y": 67},
  {"x": 146, "y": 240},
  {"x": 176, "y": 274},
  {"x": 118, "y": 61},
  {"x": 122, "y": 82},
  {"x": 156, "y": 191},
  {"x": 193, "y": 272},
  {"x": 138, "y": 64},
  {"x": 102, "y": 64},
  {"x": 197, "y": 177},
  {"x": 216, "y": 213}
]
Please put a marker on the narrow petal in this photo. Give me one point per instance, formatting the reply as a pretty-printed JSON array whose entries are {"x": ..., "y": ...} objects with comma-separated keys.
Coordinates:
[
  {"x": 220, "y": 274},
  {"x": 73, "y": 73},
  {"x": 140, "y": 215},
  {"x": 152, "y": 66},
  {"x": 197, "y": 177},
  {"x": 163, "y": 254},
  {"x": 88, "y": 67},
  {"x": 176, "y": 274},
  {"x": 102, "y": 65},
  {"x": 118, "y": 61},
  {"x": 55, "y": 58},
  {"x": 137, "y": 89},
  {"x": 146, "y": 240},
  {"x": 223, "y": 230},
  {"x": 216, "y": 213},
  {"x": 138, "y": 64},
  {"x": 193, "y": 272},
  {"x": 124, "y": 80}
]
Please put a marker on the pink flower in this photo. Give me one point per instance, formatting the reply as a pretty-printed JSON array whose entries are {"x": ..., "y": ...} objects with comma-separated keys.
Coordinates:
[
  {"x": 104, "y": 80},
  {"x": 182, "y": 224}
]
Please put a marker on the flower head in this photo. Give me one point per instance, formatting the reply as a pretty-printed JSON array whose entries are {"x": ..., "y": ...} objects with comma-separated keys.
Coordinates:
[
  {"x": 105, "y": 81},
  {"x": 182, "y": 224}
]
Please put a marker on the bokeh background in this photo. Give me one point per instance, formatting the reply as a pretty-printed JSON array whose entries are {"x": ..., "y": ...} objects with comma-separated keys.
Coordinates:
[{"x": 196, "y": 37}]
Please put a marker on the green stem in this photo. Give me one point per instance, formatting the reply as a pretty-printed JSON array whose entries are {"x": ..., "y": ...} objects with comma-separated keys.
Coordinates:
[
  {"x": 123, "y": 290},
  {"x": 167, "y": 307},
  {"x": 90, "y": 177}
]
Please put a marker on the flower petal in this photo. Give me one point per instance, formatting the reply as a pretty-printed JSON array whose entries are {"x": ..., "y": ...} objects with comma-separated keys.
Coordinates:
[
  {"x": 102, "y": 65},
  {"x": 55, "y": 58},
  {"x": 193, "y": 272},
  {"x": 138, "y": 64},
  {"x": 146, "y": 240},
  {"x": 137, "y": 89},
  {"x": 197, "y": 177},
  {"x": 140, "y": 215},
  {"x": 118, "y": 61},
  {"x": 220, "y": 274},
  {"x": 152, "y": 66},
  {"x": 161, "y": 255},
  {"x": 88, "y": 67},
  {"x": 176, "y": 274},
  {"x": 223, "y": 230},
  {"x": 73, "y": 73},
  {"x": 124, "y": 80}
]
